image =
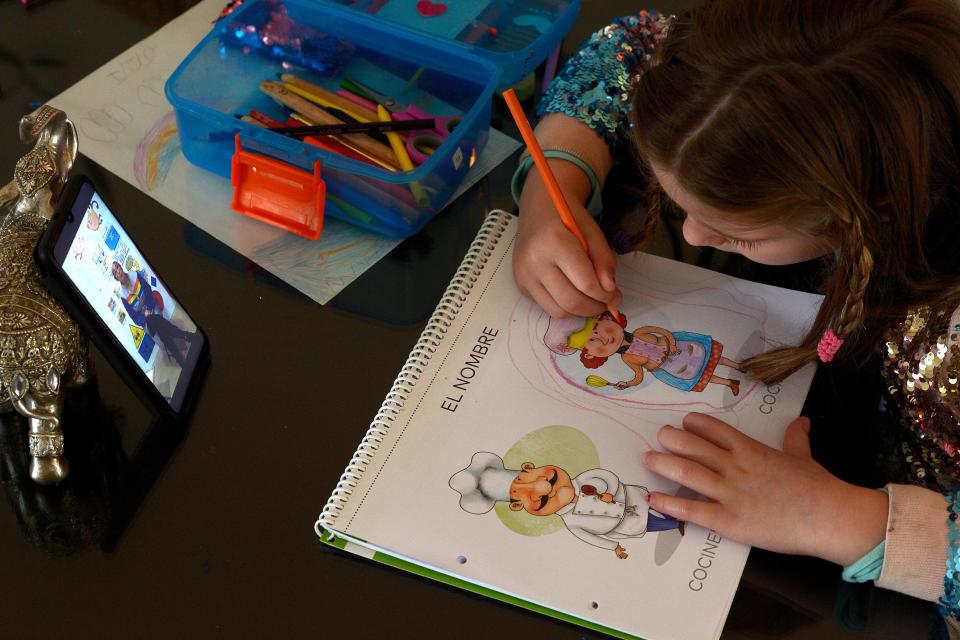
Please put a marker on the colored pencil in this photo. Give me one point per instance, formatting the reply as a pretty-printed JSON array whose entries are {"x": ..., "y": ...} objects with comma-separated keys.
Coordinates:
[
  {"x": 550, "y": 70},
  {"x": 304, "y": 107},
  {"x": 320, "y": 95},
  {"x": 357, "y": 127},
  {"x": 354, "y": 98},
  {"x": 553, "y": 187},
  {"x": 405, "y": 162},
  {"x": 369, "y": 94},
  {"x": 352, "y": 151}
]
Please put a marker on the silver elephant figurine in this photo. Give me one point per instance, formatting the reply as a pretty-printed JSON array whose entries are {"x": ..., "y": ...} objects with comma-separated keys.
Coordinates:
[{"x": 42, "y": 350}]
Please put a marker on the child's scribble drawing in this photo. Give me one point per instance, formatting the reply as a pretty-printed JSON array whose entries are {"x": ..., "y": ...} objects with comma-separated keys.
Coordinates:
[
  {"x": 683, "y": 360},
  {"x": 594, "y": 506},
  {"x": 156, "y": 153}
]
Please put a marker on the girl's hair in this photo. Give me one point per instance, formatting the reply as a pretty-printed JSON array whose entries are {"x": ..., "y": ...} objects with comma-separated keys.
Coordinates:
[
  {"x": 837, "y": 117},
  {"x": 594, "y": 362},
  {"x": 591, "y": 362}
]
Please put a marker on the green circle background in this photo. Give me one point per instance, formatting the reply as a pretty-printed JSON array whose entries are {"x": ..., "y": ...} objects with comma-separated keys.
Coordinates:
[{"x": 556, "y": 445}]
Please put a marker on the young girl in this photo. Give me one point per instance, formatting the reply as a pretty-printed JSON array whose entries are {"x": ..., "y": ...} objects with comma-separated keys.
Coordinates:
[
  {"x": 784, "y": 130},
  {"x": 685, "y": 361}
]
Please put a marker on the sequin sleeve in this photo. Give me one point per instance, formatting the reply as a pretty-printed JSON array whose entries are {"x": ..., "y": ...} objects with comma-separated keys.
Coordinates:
[
  {"x": 595, "y": 84},
  {"x": 922, "y": 360}
]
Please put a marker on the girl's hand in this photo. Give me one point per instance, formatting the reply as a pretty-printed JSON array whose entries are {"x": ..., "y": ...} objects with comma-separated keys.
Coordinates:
[
  {"x": 549, "y": 262},
  {"x": 782, "y": 501}
]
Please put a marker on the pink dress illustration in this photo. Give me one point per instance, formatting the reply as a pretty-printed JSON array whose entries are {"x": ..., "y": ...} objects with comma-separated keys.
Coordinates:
[{"x": 684, "y": 360}]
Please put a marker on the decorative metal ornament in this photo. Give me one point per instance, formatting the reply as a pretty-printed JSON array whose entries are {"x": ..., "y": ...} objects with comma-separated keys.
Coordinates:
[{"x": 42, "y": 350}]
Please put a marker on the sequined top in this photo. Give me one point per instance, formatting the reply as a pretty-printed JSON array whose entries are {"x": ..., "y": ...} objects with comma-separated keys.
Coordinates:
[
  {"x": 922, "y": 364},
  {"x": 921, "y": 360},
  {"x": 595, "y": 84}
]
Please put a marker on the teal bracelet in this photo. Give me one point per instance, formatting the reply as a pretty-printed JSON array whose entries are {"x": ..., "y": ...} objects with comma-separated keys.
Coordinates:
[
  {"x": 594, "y": 202},
  {"x": 868, "y": 567}
]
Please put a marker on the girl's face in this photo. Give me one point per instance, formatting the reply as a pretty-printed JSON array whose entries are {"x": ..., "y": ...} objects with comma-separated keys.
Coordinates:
[
  {"x": 606, "y": 338},
  {"x": 772, "y": 244}
]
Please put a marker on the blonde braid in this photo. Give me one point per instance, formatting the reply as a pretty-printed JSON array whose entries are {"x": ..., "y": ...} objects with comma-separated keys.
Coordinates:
[
  {"x": 857, "y": 261},
  {"x": 850, "y": 317}
]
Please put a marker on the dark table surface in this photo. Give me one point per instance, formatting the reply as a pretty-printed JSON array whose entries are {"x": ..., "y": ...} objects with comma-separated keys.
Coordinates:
[{"x": 209, "y": 532}]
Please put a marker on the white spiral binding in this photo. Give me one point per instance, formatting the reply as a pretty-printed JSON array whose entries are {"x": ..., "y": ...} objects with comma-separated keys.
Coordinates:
[{"x": 442, "y": 319}]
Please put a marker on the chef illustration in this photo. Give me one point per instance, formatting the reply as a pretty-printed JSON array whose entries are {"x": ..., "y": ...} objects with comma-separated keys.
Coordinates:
[{"x": 594, "y": 506}]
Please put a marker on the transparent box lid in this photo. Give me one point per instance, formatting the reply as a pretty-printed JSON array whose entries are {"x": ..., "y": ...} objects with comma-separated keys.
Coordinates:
[{"x": 516, "y": 35}]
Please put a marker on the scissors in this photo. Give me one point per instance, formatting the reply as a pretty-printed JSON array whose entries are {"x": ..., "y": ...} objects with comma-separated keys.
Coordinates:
[{"x": 421, "y": 143}]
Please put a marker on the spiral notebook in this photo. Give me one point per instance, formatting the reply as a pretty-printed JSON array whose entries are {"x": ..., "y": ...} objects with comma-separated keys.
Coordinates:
[{"x": 521, "y": 437}]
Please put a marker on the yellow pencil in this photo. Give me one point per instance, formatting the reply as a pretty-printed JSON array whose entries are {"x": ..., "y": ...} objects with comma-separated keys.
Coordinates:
[
  {"x": 406, "y": 164},
  {"x": 352, "y": 111},
  {"x": 326, "y": 98}
]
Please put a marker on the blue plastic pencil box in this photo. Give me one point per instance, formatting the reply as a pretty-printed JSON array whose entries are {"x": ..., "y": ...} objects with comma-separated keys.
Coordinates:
[{"x": 221, "y": 78}]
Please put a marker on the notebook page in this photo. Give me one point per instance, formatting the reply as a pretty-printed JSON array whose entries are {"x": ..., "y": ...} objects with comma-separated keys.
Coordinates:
[{"x": 504, "y": 403}]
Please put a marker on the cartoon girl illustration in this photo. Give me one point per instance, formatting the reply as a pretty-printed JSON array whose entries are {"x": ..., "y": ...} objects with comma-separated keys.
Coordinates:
[{"x": 683, "y": 360}]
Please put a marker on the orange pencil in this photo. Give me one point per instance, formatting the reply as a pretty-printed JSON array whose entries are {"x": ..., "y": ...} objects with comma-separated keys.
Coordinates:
[{"x": 566, "y": 216}]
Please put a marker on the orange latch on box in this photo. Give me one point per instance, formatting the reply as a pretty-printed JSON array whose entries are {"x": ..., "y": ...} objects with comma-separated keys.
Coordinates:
[{"x": 278, "y": 193}]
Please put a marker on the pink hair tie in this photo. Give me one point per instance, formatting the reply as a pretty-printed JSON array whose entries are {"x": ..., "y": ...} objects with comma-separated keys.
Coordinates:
[{"x": 829, "y": 345}]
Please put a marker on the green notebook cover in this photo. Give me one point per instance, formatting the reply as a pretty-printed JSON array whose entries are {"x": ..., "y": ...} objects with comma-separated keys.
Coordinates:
[{"x": 384, "y": 558}]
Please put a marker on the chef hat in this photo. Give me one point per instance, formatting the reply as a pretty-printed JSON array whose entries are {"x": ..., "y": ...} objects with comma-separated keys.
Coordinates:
[
  {"x": 566, "y": 335},
  {"x": 484, "y": 482}
]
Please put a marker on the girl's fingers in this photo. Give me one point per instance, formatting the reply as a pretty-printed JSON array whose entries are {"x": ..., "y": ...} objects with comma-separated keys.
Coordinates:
[
  {"x": 582, "y": 274},
  {"x": 683, "y": 471},
  {"x": 712, "y": 430},
  {"x": 689, "y": 445},
  {"x": 705, "y": 514},
  {"x": 546, "y": 302},
  {"x": 568, "y": 296},
  {"x": 603, "y": 258}
]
